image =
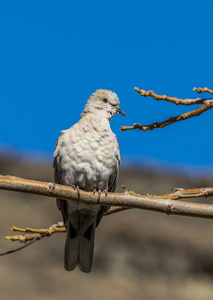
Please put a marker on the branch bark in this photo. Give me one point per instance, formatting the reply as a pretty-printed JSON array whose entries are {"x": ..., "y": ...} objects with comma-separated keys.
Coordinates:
[{"x": 163, "y": 204}]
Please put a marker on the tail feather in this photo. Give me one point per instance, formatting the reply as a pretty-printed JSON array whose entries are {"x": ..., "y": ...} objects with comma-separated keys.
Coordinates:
[
  {"x": 86, "y": 248},
  {"x": 71, "y": 249},
  {"x": 79, "y": 250}
]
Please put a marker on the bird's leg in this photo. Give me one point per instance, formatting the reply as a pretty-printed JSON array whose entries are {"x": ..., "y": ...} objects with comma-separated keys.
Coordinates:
[{"x": 94, "y": 191}]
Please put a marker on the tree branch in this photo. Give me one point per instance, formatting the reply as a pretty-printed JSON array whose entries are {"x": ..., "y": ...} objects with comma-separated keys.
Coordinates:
[
  {"x": 178, "y": 194},
  {"x": 37, "y": 233},
  {"x": 163, "y": 204},
  {"x": 207, "y": 104}
]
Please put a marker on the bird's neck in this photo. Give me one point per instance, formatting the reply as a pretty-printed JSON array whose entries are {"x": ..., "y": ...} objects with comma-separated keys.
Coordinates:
[
  {"x": 97, "y": 120},
  {"x": 99, "y": 115}
]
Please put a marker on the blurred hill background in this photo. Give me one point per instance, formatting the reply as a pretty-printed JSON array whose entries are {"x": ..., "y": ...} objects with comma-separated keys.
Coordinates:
[{"x": 138, "y": 254}]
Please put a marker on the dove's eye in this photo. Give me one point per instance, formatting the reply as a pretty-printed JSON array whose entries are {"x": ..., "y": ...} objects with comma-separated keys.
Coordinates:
[{"x": 105, "y": 100}]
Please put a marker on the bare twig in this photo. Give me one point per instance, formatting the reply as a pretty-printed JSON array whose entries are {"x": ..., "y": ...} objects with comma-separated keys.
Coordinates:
[
  {"x": 116, "y": 210},
  {"x": 188, "y": 193},
  {"x": 175, "y": 100},
  {"x": 207, "y": 104},
  {"x": 19, "y": 248},
  {"x": 203, "y": 90},
  {"x": 37, "y": 233}
]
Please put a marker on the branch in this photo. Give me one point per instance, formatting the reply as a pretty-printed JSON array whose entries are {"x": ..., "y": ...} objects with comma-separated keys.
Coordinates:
[
  {"x": 178, "y": 194},
  {"x": 207, "y": 104},
  {"x": 31, "y": 238},
  {"x": 204, "y": 90},
  {"x": 188, "y": 193},
  {"x": 163, "y": 204},
  {"x": 38, "y": 233},
  {"x": 143, "y": 202}
]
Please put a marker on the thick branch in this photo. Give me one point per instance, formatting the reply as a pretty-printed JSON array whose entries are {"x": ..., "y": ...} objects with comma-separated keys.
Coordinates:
[
  {"x": 154, "y": 203},
  {"x": 207, "y": 104}
]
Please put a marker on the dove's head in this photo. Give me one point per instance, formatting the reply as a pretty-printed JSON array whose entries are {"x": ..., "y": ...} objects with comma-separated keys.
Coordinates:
[{"x": 103, "y": 102}]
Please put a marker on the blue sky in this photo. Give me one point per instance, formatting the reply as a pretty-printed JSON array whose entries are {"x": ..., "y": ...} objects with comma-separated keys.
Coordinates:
[{"x": 53, "y": 55}]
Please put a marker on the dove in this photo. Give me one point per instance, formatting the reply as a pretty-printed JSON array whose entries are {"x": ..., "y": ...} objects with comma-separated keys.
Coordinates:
[{"x": 87, "y": 157}]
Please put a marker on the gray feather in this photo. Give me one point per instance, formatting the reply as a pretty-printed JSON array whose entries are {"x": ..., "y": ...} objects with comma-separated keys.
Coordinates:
[
  {"x": 86, "y": 247},
  {"x": 71, "y": 250}
]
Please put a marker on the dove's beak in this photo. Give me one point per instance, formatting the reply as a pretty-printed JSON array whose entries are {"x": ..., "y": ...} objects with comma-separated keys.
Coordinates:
[{"x": 120, "y": 111}]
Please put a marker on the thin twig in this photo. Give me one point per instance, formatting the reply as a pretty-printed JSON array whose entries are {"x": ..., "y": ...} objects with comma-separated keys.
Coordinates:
[
  {"x": 188, "y": 193},
  {"x": 203, "y": 90},
  {"x": 174, "y": 100},
  {"x": 19, "y": 248},
  {"x": 41, "y": 233},
  {"x": 182, "y": 117},
  {"x": 37, "y": 233},
  {"x": 116, "y": 210}
]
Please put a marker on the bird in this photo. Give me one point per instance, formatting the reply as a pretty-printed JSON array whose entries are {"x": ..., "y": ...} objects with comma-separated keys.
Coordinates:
[{"x": 87, "y": 157}]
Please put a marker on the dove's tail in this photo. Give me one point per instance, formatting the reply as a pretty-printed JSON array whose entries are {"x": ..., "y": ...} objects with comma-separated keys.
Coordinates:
[{"x": 79, "y": 250}]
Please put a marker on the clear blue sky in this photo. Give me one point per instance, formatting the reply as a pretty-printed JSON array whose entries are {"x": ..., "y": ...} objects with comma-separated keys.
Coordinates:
[{"x": 54, "y": 54}]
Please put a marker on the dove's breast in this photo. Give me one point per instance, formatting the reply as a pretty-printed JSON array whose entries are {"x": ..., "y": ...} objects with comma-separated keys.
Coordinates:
[{"x": 87, "y": 156}]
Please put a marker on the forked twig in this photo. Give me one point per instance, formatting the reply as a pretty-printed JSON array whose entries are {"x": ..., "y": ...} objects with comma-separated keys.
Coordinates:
[
  {"x": 207, "y": 104},
  {"x": 31, "y": 238}
]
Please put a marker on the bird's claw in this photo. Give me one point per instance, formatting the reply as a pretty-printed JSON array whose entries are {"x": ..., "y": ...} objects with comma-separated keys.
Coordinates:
[
  {"x": 76, "y": 187},
  {"x": 99, "y": 193},
  {"x": 106, "y": 192},
  {"x": 78, "y": 191}
]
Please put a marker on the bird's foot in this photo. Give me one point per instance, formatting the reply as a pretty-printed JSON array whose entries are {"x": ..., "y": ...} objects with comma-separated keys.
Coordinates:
[
  {"x": 99, "y": 193},
  {"x": 76, "y": 187}
]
